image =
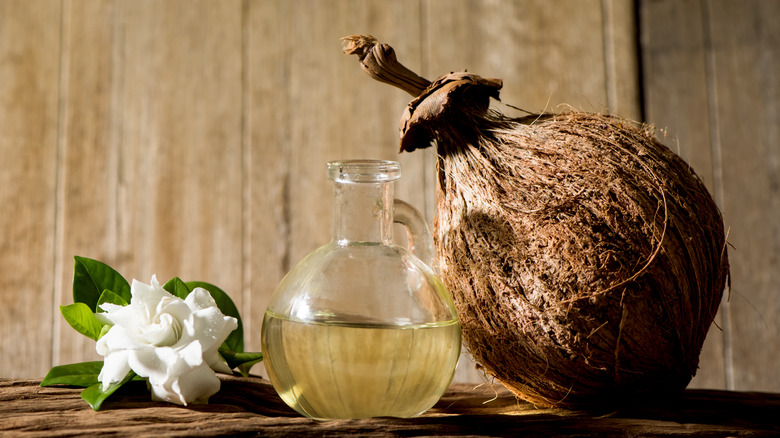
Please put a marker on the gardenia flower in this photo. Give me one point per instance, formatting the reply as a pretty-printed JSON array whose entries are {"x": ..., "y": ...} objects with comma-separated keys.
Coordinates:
[{"x": 171, "y": 342}]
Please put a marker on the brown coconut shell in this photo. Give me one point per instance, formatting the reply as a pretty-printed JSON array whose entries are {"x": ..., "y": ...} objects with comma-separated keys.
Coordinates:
[{"x": 586, "y": 260}]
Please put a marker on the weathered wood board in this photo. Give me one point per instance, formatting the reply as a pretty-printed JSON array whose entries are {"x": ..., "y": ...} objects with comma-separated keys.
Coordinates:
[
  {"x": 29, "y": 90},
  {"x": 250, "y": 406}
]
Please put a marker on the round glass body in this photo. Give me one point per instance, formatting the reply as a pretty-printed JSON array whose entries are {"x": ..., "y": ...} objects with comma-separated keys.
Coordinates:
[{"x": 362, "y": 327}]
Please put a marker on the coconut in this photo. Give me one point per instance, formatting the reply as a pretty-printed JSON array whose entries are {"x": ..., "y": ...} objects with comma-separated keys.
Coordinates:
[{"x": 586, "y": 260}]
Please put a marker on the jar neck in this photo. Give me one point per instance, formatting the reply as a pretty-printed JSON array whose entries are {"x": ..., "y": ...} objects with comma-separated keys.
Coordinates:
[{"x": 363, "y": 212}]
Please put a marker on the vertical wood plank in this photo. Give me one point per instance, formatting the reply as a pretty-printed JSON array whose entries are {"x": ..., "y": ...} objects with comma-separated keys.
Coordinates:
[
  {"x": 621, "y": 58},
  {"x": 308, "y": 104},
  {"x": 547, "y": 53},
  {"x": 711, "y": 78},
  {"x": 745, "y": 103},
  {"x": 266, "y": 161},
  {"x": 29, "y": 71},
  {"x": 675, "y": 80},
  {"x": 179, "y": 192},
  {"x": 677, "y": 101},
  {"x": 152, "y": 168},
  {"x": 85, "y": 187}
]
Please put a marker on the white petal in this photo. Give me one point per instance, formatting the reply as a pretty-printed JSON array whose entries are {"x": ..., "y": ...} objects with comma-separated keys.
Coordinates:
[
  {"x": 194, "y": 386},
  {"x": 174, "y": 306},
  {"x": 163, "y": 363},
  {"x": 152, "y": 362},
  {"x": 200, "y": 298},
  {"x": 191, "y": 355},
  {"x": 115, "y": 368},
  {"x": 215, "y": 362},
  {"x": 176, "y": 375},
  {"x": 211, "y": 327},
  {"x": 129, "y": 316},
  {"x": 164, "y": 333},
  {"x": 105, "y": 317},
  {"x": 211, "y": 354},
  {"x": 198, "y": 385},
  {"x": 147, "y": 296},
  {"x": 117, "y": 338}
]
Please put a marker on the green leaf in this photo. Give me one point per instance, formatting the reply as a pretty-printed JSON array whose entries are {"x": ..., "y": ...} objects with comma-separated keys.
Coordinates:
[
  {"x": 110, "y": 297},
  {"x": 240, "y": 360},
  {"x": 76, "y": 374},
  {"x": 246, "y": 366},
  {"x": 177, "y": 287},
  {"x": 91, "y": 278},
  {"x": 234, "y": 341},
  {"x": 81, "y": 318},
  {"x": 95, "y": 396},
  {"x": 104, "y": 330}
]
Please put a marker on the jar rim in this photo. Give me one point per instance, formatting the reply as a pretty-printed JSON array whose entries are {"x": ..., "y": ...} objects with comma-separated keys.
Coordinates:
[{"x": 364, "y": 171}]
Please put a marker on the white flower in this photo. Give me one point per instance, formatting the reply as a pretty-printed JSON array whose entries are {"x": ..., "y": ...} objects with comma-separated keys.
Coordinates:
[{"x": 171, "y": 342}]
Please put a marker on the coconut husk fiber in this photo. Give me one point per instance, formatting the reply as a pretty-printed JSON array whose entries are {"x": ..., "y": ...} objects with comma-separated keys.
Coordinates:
[{"x": 586, "y": 260}]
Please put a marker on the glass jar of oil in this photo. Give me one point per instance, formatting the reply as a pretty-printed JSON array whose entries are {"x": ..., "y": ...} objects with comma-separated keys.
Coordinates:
[{"x": 362, "y": 327}]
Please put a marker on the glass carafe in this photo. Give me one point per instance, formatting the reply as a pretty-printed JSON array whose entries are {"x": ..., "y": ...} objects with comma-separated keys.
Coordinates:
[{"x": 362, "y": 327}]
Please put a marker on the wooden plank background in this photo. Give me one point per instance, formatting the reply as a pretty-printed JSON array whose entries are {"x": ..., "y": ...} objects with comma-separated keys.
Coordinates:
[
  {"x": 711, "y": 79},
  {"x": 188, "y": 137}
]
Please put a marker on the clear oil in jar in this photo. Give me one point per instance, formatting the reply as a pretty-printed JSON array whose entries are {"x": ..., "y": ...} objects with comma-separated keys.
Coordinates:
[{"x": 341, "y": 369}]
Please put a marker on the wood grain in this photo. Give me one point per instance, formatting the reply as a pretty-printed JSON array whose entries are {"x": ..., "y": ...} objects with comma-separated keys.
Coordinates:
[
  {"x": 710, "y": 81},
  {"x": 88, "y": 160},
  {"x": 621, "y": 59},
  {"x": 266, "y": 160},
  {"x": 29, "y": 83},
  {"x": 676, "y": 101},
  {"x": 250, "y": 406},
  {"x": 548, "y": 53},
  {"x": 152, "y": 162},
  {"x": 745, "y": 113}
]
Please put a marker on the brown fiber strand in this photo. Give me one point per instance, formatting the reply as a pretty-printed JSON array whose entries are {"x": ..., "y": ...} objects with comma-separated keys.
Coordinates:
[{"x": 584, "y": 257}]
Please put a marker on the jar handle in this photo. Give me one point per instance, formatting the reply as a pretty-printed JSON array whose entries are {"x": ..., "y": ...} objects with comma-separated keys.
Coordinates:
[{"x": 420, "y": 238}]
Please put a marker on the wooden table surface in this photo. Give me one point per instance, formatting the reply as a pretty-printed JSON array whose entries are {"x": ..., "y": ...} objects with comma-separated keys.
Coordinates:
[{"x": 249, "y": 406}]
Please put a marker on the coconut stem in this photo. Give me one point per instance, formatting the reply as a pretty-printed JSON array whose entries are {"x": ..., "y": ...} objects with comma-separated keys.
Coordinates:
[{"x": 379, "y": 61}]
